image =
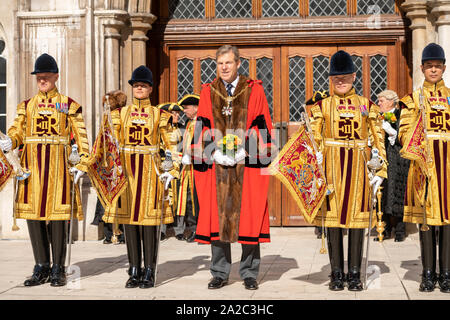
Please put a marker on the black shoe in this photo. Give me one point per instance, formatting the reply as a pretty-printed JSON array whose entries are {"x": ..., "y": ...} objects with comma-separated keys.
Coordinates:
[
  {"x": 399, "y": 237},
  {"x": 337, "y": 281},
  {"x": 428, "y": 281},
  {"x": 163, "y": 236},
  {"x": 354, "y": 281},
  {"x": 180, "y": 237},
  {"x": 148, "y": 279},
  {"x": 107, "y": 241},
  {"x": 250, "y": 284},
  {"x": 40, "y": 276},
  {"x": 217, "y": 283},
  {"x": 135, "y": 274},
  {"x": 191, "y": 237},
  {"x": 122, "y": 241},
  {"x": 57, "y": 276},
  {"x": 444, "y": 281}
]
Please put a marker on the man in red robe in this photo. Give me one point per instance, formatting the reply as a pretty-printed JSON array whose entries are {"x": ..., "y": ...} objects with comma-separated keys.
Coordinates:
[{"x": 231, "y": 146}]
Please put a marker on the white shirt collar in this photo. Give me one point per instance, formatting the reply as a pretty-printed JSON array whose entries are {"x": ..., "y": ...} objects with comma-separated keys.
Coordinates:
[{"x": 234, "y": 84}]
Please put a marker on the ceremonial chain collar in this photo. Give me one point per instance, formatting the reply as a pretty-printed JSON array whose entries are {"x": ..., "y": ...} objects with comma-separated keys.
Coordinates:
[{"x": 228, "y": 110}]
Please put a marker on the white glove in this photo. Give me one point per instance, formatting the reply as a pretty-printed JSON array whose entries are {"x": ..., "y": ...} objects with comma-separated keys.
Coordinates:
[
  {"x": 76, "y": 173},
  {"x": 388, "y": 128},
  {"x": 186, "y": 160},
  {"x": 222, "y": 159},
  {"x": 376, "y": 182},
  {"x": 319, "y": 157},
  {"x": 6, "y": 144},
  {"x": 167, "y": 177},
  {"x": 240, "y": 155}
]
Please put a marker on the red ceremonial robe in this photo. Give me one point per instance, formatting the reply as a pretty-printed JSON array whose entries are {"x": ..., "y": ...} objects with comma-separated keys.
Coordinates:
[{"x": 233, "y": 200}]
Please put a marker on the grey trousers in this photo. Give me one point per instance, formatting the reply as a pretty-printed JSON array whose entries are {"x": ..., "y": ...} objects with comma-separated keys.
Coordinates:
[{"x": 221, "y": 260}]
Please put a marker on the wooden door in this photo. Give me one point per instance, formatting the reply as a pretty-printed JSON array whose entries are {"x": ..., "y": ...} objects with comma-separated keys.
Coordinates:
[{"x": 190, "y": 68}]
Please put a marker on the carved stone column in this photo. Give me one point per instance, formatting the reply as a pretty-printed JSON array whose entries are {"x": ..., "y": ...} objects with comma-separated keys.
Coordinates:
[
  {"x": 416, "y": 11},
  {"x": 113, "y": 23},
  {"x": 441, "y": 9}
]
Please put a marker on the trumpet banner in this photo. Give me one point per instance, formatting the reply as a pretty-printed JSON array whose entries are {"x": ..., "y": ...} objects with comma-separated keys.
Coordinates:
[
  {"x": 297, "y": 168},
  {"x": 415, "y": 149},
  {"x": 6, "y": 170},
  {"x": 105, "y": 167}
]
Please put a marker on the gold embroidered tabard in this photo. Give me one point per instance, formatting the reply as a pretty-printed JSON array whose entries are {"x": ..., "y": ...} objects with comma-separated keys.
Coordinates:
[
  {"x": 140, "y": 127},
  {"x": 437, "y": 121},
  {"x": 44, "y": 125},
  {"x": 342, "y": 127}
]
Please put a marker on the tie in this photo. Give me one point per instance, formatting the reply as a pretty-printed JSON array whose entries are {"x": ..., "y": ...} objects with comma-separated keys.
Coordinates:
[{"x": 229, "y": 87}]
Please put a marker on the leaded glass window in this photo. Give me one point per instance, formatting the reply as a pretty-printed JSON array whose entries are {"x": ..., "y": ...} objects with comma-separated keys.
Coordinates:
[
  {"x": 320, "y": 73},
  {"x": 244, "y": 69},
  {"x": 233, "y": 9},
  {"x": 264, "y": 72},
  {"x": 2, "y": 88},
  {"x": 185, "y": 77},
  {"x": 186, "y": 9},
  {"x": 358, "y": 84},
  {"x": 280, "y": 8},
  {"x": 297, "y": 88},
  {"x": 327, "y": 7},
  {"x": 208, "y": 68},
  {"x": 378, "y": 75},
  {"x": 376, "y": 7}
]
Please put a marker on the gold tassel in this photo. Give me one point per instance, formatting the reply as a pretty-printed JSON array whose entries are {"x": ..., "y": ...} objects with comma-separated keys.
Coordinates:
[
  {"x": 116, "y": 233},
  {"x": 323, "y": 250}
]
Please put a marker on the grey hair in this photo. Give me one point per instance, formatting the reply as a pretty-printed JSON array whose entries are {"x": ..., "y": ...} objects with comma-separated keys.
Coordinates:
[
  {"x": 227, "y": 48},
  {"x": 389, "y": 95}
]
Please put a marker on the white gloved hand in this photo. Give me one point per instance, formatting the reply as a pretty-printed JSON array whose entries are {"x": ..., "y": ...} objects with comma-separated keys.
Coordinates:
[
  {"x": 319, "y": 157},
  {"x": 167, "y": 178},
  {"x": 76, "y": 173},
  {"x": 6, "y": 144},
  {"x": 376, "y": 182},
  {"x": 186, "y": 160},
  {"x": 222, "y": 159},
  {"x": 392, "y": 139},
  {"x": 240, "y": 155},
  {"x": 388, "y": 128}
]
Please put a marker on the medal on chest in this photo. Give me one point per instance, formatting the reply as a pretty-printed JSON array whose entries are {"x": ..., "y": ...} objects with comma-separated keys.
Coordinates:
[{"x": 227, "y": 110}]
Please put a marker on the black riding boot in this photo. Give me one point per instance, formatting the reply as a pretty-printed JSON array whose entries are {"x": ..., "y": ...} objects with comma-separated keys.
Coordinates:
[
  {"x": 59, "y": 246},
  {"x": 150, "y": 242},
  {"x": 428, "y": 254},
  {"x": 133, "y": 241},
  {"x": 336, "y": 254},
  {"x": 444, "y": 258},
  {"x": 41, "y": 251},
  {"x": 355, "y": 246}
]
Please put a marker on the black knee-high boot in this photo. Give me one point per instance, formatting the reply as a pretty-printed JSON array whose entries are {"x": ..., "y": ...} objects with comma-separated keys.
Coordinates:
[
  {"x": 133, "y": 241},
  {"x": 444, "y": 258},
  {"x": 336, "y": 254},
  {"x": 59, "y": 246},
  {"x": 150, "y": 244},
  {"x": 428, "y": 255},
  {"x": 355, "y": 246},
  {"x": 41, "y": 251}
]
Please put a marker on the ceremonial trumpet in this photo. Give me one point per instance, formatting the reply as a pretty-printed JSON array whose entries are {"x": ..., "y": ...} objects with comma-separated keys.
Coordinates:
[{"x": 20, "y": 174}]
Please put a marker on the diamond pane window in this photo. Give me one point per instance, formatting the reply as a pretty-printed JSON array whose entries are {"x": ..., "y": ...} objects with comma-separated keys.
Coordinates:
[
  {"x": 208, "y": 70},
  {"x": 378, "y": 75},
  {"x": 245, "y": 67},
  {"x": 297, "y": 86},
  {"x": 280, "y": 8},
  {"x": 327, "y": 7},
  {"x": 320, "y": 73},
  {"x": 376, "y": 7},
  {"x": 186, "y": 9},
  {"x": 358, "y": 85},
  {"x": 264, "y": 72},
  {"x": 233, "y": 8},
  {"x": 185, "y": 77}
]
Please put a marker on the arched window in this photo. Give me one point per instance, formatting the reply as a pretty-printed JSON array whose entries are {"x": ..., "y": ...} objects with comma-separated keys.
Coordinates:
[{"x": 2, "y": 87}]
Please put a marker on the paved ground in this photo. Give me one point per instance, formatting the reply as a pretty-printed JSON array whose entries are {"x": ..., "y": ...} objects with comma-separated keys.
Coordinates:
[{"x": 292, "y": 268}]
